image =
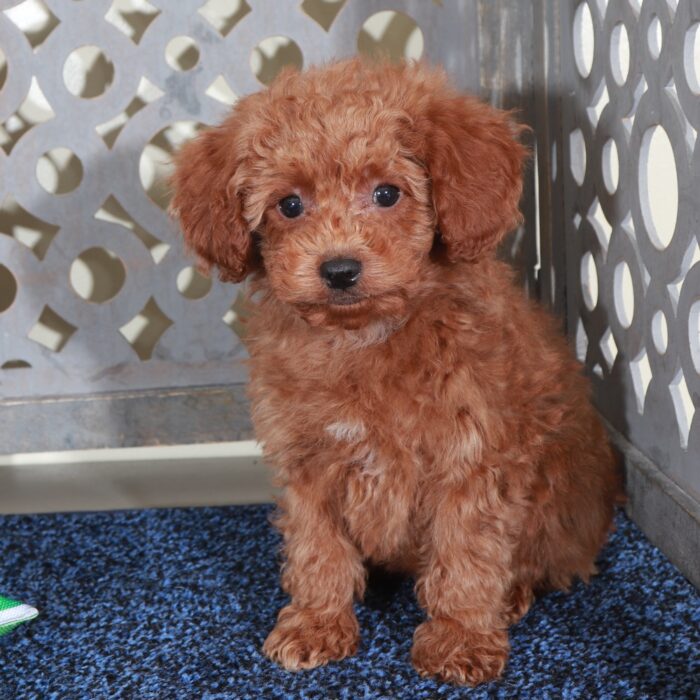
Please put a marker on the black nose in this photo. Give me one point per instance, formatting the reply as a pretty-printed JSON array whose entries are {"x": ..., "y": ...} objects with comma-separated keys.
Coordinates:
[{"x": 341, "y": 273}]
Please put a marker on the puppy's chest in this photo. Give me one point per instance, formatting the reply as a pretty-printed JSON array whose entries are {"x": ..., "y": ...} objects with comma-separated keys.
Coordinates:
[
  {"x": 378, "y": 435},
  {"x": 377, "y": 489},
  {"x": 375, "y": 436},
  {"x": 376, "y": 424},
  {"x": 381, "y": 476}
]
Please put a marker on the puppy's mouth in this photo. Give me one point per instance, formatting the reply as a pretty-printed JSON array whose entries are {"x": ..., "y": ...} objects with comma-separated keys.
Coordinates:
[
  {"x": 353, "y": 310},
  {"x": 340, "y": 304},
  {"x": 347, "y": 300}
]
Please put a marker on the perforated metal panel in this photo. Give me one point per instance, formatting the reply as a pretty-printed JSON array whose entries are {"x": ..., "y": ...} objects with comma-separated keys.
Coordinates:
[
  {"x": 108, "y": 199},
  {"x": 630, "y": 174},
  {"x": 618, "y": 108},
  {"x": 98, "y": 295}
]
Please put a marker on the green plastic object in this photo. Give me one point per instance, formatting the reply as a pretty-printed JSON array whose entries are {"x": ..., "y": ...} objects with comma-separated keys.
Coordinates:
[{"x": 13, "y": 613}]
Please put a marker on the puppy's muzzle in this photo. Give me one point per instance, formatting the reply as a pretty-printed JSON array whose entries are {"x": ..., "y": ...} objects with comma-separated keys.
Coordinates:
[{"x": 341, "y": 273}]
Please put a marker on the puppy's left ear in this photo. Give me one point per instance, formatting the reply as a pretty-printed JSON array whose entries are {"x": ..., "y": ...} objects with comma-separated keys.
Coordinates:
[{"x": 475, "y": 162}]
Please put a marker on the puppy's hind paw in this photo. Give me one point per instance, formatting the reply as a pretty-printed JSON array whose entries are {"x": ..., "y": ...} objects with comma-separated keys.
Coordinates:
[
  {"x": 304, "y": 638},
  {"x": 445, "y": 650}
]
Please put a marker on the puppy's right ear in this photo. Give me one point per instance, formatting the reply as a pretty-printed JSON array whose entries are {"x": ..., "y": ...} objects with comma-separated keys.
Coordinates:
[{"x": 207, "y": 202}]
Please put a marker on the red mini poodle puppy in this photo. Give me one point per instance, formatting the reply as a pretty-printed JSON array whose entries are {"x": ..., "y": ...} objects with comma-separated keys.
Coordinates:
[{"x": 420, "y": 413}]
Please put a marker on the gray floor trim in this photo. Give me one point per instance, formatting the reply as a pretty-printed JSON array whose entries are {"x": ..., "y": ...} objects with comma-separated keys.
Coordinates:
[
  {"x": 134, "y": 477},
  {"x": 125, "y": 419},
  {"x": 669, "y": 516}
]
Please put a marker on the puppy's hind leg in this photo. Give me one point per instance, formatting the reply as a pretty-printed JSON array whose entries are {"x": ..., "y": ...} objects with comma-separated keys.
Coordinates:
[{"x": 575, "y": 524}]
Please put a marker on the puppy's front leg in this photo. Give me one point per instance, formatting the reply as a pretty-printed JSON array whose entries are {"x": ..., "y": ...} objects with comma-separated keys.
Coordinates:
[
  {"x": 322, "y": 573},
  {"x": 463, "y": 588}
]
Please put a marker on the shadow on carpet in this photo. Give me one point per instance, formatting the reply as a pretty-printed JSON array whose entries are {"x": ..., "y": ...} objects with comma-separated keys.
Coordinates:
[{"x": 176, "y": 604}]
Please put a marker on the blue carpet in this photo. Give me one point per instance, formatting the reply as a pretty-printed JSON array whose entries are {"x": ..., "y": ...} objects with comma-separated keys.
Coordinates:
[{"x": 176, "y": 604}]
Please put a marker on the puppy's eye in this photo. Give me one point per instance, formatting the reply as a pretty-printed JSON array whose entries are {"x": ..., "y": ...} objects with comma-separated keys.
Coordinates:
[
  {"x": 291, "y": 206},
  {"x": 386, "y": 195}
]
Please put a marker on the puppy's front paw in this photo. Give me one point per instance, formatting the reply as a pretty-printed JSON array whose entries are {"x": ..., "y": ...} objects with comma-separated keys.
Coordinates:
[
  {"x": 306, "y": 638},
  {"x": 446, "y": 650}
]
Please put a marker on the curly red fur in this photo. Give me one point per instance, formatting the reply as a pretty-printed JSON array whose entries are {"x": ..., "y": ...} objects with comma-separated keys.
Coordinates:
[{"x": 430, "y": 419}]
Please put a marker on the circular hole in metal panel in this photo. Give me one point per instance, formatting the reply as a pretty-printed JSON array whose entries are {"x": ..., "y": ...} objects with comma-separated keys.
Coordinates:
[
  {"x": 619, "y": 53},
  {"x": 655, "y": 37},
  {"x": 87, "y": 72},
  {"x": 3, "y": 69},
  {"x": 577, "y": 148},
  {"x": 611, "y": 166},
  {"x": 589, "y": 281},
  {"x": 182, "y": 53},
  {"x": 8, "y": 288},
  {"x": 584, "y": 40},
  {"x": 155, "y": 163},
  {"x": 15, "y": 364},
  {"x": 691, "y": 57},
  {"x": 694, "y": 334},
  {"x": 192, "y": 284},
  {"x": 391, "y": 34},
  {"x": 659, "y": 331},
  {"x": 59, "y": 171},
  {"x": 273, "y": 54},
  {"x": 658, "y": 186},
  {"x": 97, "y": 275},
  {"x": 623, "y": 294}
]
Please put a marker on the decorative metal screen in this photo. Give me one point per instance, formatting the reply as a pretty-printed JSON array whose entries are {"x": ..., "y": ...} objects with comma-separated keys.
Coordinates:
[
  {"x": 97, "y": 294},
  {"x": 110, "y": 90},
  {"x": 628, "y": 165}
]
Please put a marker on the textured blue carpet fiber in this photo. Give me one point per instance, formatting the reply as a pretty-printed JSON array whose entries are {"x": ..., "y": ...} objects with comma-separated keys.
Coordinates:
[{"x": 176, "y": 604}]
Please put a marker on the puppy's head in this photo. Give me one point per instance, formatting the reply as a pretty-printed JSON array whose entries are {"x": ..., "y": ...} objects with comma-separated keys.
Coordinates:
[{"x": 345, "y": 186}]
